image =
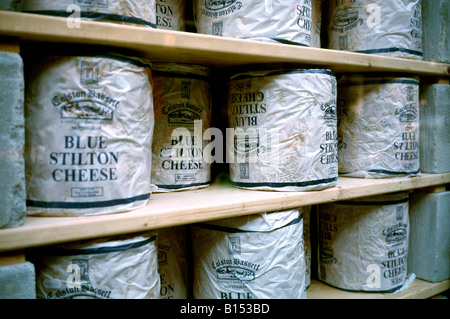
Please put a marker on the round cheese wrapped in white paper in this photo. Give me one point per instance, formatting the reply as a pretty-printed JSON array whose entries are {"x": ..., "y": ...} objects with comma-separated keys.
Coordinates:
[
  {"x": 250, "y": 257},
  {"x": 378, "y": 126},
  {"x": 284, "y": 125},
  {"x": 170, "y": 14},
  {"x": 182, "y": 102},
  {"x": 173, "y": 259},
  {"x": 363, "y": 244},
  {"x": 389, "y": 28},
  {"x": 138, "y": 12},
  {"x": 282, "y": 21},
  {"x": 89, "y": 126},
  {"x": 124, "y": 267}
]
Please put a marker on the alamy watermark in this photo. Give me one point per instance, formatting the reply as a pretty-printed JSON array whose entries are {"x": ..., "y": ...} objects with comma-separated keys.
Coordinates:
[{"x": 74, "y": 19}]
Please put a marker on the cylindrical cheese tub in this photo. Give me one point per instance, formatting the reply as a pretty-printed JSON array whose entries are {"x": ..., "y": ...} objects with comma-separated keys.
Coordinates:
[
  {"x": 173, "y": 258},
  {"x": 170, "y": 14},
  {"x": 283, "y": 135},
  {"x": 182, "y": 102},
  {"x": 137, "y": 12},
  {"x": 124, "y": 267},
  {"x": 378, "y": 126},
  {"x": 250, "y": 257},
  {"x": 281, "y": 21},
  {"x": 390, "y": 28},
  {"x": 363, "y": 244},
  {"x": 89, "y": 126}
]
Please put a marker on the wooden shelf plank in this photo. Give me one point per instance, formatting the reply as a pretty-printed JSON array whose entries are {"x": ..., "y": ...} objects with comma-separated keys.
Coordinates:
[
  {"x": 176, "y": 46},
  {"x": 218, "y": 201},
  {"x": 418, "y": 289}
]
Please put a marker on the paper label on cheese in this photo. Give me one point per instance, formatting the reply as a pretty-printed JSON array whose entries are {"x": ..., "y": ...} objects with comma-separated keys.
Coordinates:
[{"x": 89, "y": 126}]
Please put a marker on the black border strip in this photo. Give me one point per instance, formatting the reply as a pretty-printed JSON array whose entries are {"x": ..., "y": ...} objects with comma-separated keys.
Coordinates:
[
  {"x": 371, "y": 82},
  {"x": 295, "y": 184},
  {"x": 183, "y": 185},
  {"x": 373, "y": 203},
  {"x": 175, "y": 74},
  {"x": 382, "y": 171},
  {"x": 95, "y": 16},
  {"x": 282, "y": 72},
  {"x": 89, "y": 251},
  {"x": 387, "y": 50},
  {"x": 237, "y": 230},
  {"x": 113, "y": 202}
]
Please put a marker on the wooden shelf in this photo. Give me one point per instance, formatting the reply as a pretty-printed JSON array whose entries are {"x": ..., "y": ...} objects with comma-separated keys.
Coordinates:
[
  {"x": 218, "y": 201},
  {"x": 418, "y": 289},
  {"x": 176, "y": 46}
]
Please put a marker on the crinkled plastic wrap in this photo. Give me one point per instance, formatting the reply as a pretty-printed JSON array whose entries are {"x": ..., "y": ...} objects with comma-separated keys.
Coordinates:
[
  {"x": 123, "y": 267},
  {"x": 182, "y": 100},
  {"x": 378, "y": 126},
  {"x": 138, "y": 12},
  {"x": 173, "y": 259},
  {"x": 285, "y": 136},
  {"x": 282, "y": 21},
  {"x": 363, "y": 244},
  {"x": 170, "y": 14},
  {"x": 89, "y": 126},
  {"x": 251, "y": 257},
  {"x": 307, "y": 241},
  {"x": 389, "y": 28}
]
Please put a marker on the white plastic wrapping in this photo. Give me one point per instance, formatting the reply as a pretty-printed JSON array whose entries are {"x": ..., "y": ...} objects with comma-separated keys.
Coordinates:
[
  {"x": 173, "y": 258},
  {"x": 170, "y": 14},
  {"x": 89, "y": 126},
  {"x": 363, "y": 244},
  {"x": 284, "y": 124},
  {"x": 307, "y": 242},
  {"x": 124, "y": 267},
  {"x": 251, "y": 257},
  {"x": 138, "y": 12},
  {"x": 283, "y": 21},
  {"x": 390, "y": 28},
  {"x": 182, "y": 100},
  {"x": 378, "y": 126}
]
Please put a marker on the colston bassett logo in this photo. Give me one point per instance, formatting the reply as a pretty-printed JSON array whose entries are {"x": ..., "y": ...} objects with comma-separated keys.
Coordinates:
[
  {"x": 235, "y": 269},
  {"x": 396, "y": 232},
  {"x": 407, "y": 113},
  {"x": 343, "y": 21},
  {"x": 218, "y": 8}
]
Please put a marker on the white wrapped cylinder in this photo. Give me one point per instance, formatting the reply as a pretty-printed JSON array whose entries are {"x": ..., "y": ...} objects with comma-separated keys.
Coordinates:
[
  {"x": 89, "y": 126},
  {"x": 282, "y": 21},
  {"x": 123, "y": 267},
  {"x": 138, "y": 12},
  {"x": 182, "y": 100},
  {"x": 251, "y": 257},
  {"x": 378, "y": 126},
  {"x": 284, "y": 124},
  {"x": 363, "y": 244},
  {"x": 170, "y": 14},
  {"x": 173, "y": 260},
  {"x": 389, "y": 28}
]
